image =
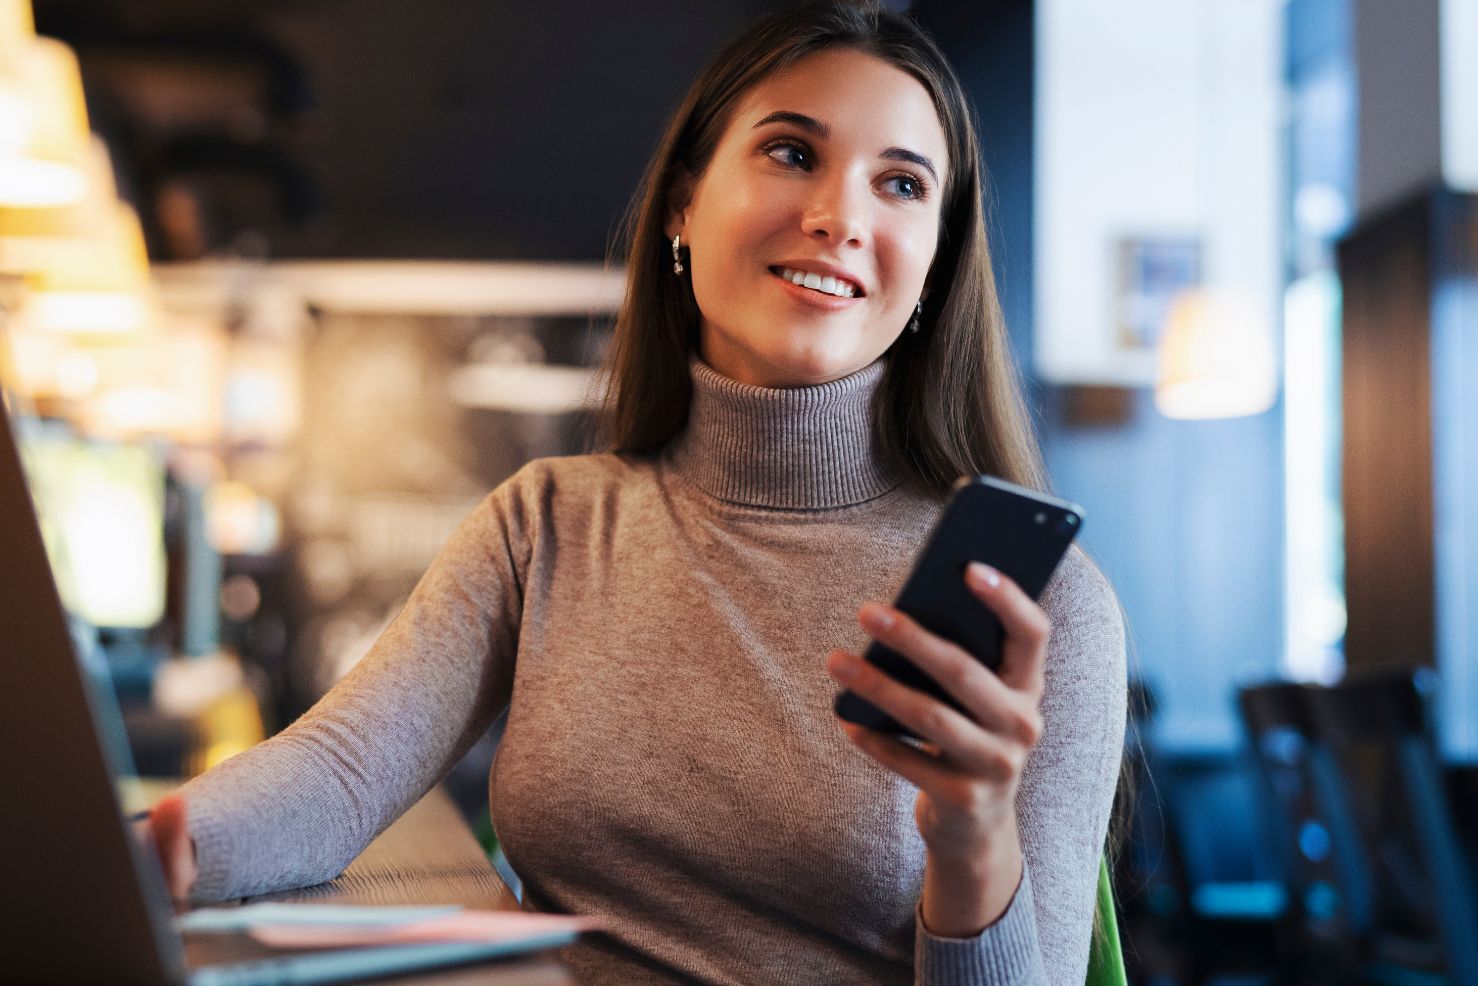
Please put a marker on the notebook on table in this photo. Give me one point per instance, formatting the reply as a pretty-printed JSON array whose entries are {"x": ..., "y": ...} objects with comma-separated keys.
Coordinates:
[{"x": 85, "y": 902}]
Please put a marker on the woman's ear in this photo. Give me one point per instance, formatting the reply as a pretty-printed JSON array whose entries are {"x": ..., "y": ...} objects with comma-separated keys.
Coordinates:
[{"x": 679, "y": 198}]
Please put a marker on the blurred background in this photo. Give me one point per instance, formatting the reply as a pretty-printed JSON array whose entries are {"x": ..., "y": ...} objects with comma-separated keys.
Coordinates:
[{"x": 287, "y": 286}]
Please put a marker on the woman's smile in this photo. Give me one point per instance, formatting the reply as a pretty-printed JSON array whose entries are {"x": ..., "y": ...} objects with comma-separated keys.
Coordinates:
[
  {"x": 817, "y": 299},
  {"x": 837, "y": 286}
]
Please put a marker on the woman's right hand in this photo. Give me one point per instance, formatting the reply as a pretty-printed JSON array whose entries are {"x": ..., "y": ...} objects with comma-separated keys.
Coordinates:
[{"x": 165, "y": 830}]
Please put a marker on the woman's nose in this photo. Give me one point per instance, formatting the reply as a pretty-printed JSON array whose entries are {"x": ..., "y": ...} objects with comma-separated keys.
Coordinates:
[{"x": 837, "y": 214}]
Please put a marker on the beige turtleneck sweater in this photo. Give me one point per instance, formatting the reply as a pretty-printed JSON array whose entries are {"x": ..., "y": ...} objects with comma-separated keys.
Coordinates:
[{"x": 656, "y": 631}]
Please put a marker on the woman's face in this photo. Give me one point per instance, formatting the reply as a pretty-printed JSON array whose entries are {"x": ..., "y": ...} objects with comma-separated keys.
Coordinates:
[{"x": 832, "y": 168}]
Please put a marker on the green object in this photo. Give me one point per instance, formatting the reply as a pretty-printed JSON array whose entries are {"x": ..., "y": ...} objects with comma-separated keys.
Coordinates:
[
  {"x": 483, "y": 830},
  {"x": 1106, "y": 957}
]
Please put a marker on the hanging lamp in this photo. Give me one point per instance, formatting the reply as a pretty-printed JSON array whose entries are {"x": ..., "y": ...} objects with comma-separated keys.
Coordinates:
[
  {"x": 43, "y": 120},
  {"x": 1215, "y": 360}
]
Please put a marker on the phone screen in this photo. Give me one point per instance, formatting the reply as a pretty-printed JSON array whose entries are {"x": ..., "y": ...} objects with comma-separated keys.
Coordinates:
[{"x": 1019, "y": 532}]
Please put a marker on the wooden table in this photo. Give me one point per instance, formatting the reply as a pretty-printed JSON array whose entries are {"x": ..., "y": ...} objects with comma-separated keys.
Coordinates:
[{"x": 428, "y": 856}]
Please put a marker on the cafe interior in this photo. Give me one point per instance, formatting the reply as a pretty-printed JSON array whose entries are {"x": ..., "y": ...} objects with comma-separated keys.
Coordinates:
[{"x": 288, "y": 286}]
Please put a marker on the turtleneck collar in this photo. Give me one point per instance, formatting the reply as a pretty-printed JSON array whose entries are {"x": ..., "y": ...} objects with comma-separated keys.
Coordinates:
[{"x": 794, "y": 448}]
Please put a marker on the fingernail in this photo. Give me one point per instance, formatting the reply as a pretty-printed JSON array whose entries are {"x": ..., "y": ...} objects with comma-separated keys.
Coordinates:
[
  {"x": 875, "y": 618},
  {"x": 843, "y": 667},
  {"x": 982, "y": 576}
]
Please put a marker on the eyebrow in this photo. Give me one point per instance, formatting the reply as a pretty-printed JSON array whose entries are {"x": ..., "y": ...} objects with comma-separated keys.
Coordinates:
[
  {"x": 807, "y": 123},
  {"x": 814, "y": 126}
]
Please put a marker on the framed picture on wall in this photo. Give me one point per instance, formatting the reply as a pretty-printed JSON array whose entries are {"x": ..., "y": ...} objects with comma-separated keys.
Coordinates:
[{"x": 1150, "y": 272}]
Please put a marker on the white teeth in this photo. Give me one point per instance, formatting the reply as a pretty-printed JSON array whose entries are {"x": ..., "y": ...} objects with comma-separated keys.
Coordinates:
[{"x": 826, "y": 285}]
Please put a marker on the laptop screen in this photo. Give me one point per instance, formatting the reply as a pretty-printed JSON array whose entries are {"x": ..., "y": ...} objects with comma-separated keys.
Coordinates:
[{"x": 101, "y": 509}]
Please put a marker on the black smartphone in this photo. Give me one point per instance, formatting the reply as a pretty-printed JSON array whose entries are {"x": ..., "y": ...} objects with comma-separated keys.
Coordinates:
[{"x": 1020, "y": 532}]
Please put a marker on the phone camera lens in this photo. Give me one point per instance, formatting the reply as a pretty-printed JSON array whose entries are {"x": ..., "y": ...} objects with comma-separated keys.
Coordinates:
[
  {"x": 1041, "y": 518},
  {"x": 1072, "y": 519}
]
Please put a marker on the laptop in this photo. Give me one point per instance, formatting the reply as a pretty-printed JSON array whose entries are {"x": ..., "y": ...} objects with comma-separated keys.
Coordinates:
[{"x": 84, "y": 901}]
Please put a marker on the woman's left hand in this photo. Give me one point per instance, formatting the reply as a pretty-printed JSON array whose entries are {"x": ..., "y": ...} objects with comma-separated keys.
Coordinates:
[{"x": 969, "y": 766}]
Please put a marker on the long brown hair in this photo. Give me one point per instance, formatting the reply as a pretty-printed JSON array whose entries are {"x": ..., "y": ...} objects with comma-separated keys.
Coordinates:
[{"x": 949, "y": 403}]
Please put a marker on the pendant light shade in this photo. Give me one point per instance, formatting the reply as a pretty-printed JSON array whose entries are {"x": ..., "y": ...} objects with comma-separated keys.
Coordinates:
[
  {"x": 43, "y": 127},
  {"x": 97, "y": 285},
  {"x": 17, "y": 30},
  {"x": 33, "y": 240},
  {"x": 1215, "y": 360}
]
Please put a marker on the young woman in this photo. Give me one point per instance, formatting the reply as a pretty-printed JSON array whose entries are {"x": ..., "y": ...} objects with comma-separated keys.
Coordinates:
[{"x": 810, "y": 352}]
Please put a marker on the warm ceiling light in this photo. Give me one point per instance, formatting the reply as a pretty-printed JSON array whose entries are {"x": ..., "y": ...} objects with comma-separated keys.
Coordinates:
[
  {"x": 1216, "y": 360},
  {"x": 17, "y": 34},
  {"x": 43, "y": 127},
  {"x": 17, "y": 30},
  {"x": 97, "y": 285},
  {"x": 101, "y": 312},
  {"x": 32, "y": 240},
  {"x": 31, "y": 361}
]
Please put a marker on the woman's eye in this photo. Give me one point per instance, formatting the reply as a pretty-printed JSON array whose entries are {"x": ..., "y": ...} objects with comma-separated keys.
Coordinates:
[
  {"x": 790, "y": 155},
  {"x": 907, "y": 187}
]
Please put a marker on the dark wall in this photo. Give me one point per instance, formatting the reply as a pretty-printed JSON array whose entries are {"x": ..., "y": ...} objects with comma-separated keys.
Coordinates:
[
  {"x": 990, "y": 46},
  {"x": 469, "y": 128},
  {"x": 386, "y": 128}
]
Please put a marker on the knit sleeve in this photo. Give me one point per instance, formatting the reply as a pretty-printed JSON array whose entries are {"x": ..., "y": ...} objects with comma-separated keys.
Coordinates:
[
  {"x": 1006, "y": 952},
  {"x": 295, "y": 810},
  {"x": 1063, "y": 804}
]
